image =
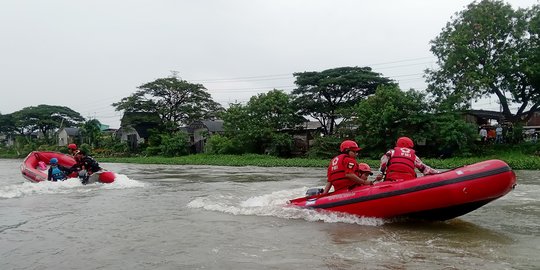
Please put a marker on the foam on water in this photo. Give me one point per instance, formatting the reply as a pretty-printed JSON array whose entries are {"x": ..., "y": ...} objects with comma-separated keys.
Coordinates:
[
  {"x": 68, "y": 186},
  {"x": 275, "y": 204}
]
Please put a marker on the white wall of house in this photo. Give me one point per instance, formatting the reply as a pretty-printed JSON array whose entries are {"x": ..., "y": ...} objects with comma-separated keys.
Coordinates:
[
  {"x": 7, "y": 140},
  {"x": 125, "y": 134},
  {"x": 63, "y": 138}
]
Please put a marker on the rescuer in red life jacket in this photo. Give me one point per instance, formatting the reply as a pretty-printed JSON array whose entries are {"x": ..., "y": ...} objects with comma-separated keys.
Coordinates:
[
  {"x": 72, "y": 149},
  {"x": 399, "y": 163},
  {"x": 343, "y": 169}
]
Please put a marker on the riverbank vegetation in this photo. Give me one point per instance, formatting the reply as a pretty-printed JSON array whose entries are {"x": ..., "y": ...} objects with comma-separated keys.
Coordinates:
[
  {"x": 516, "y": 161},
  {"x": 516, "y": 158}
]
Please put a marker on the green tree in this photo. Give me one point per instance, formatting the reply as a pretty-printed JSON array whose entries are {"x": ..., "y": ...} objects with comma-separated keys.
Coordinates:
[
  {"x": 388, "y": 114},
  {"x": 256, "y": 125},
  {"x": 530, "y": 53},
  {"x": 91, "y": 132},
  {"x": 218, "y": 144},
  {"x": 7, "y": 124},
  {"x": 45, "y": 118},
  {"x": 176, "y": 102},
  {"x": 324, "y": 95},
  {"x": 489, "y": 49},
  {"x": 392, "y": 113}
]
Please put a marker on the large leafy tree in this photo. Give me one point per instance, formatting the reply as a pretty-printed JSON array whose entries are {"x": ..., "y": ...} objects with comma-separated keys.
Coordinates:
[
  {"x": 392, "y": 113},
  {"x": 325, "y": 95},
  {"x": 388, "y": 114},
  {"x": 256, "y": 125},
  {"x": 489, "y": 49},
  {"x": 45, "y": 118},
  {"x": 530, "y": 53},
  {"x": 176, "y": 102}
]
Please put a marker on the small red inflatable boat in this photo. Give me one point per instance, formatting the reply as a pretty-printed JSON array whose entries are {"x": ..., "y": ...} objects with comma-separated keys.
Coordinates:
[
  {"x": 31, "y": 170},
  {"x": 435, "y": 197}
]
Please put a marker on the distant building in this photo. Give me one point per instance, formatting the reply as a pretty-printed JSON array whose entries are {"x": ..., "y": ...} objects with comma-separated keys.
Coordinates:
[
  {"x": 304, "y": 136},
  {"x": 534, "y": 122},
  {"x": 135, "y": 127},
  {"x": 7, "y": 139},
  {"x": 69, "y": 135},
  {"x": 200, "y": 131},
  {"x": 483, "y": 117},
  {"x": 132, "y": 136}
]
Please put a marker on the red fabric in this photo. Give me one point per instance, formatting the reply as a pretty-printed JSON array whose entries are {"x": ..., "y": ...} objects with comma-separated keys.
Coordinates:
[
  {"x": 338, "y": 168},
  {"x": 401, "y": 164}
]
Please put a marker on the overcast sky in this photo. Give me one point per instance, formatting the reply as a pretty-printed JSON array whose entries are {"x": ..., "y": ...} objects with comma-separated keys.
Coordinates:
[{"x": 88, "y": 54}]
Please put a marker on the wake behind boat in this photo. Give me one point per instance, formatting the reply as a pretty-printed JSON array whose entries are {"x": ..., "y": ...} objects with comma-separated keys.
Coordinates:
[
  {"x": 31, "y": 170},
  {"x": 435, "y": 197}
]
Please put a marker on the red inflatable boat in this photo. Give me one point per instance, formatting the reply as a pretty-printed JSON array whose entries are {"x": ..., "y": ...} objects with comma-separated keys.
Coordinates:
[
  {"x": 435, "y": 197},
  {"x": 31, "y": 170}
]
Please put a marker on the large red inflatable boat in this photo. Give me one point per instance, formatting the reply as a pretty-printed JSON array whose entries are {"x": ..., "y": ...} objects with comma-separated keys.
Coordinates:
[
  {"x": 31, "y": 170},
  {"x": 435, "y": 197}
]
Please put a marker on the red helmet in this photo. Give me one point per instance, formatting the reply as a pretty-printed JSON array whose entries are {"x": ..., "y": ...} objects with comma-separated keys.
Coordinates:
[
  {"x": 72, "y": 146},
  {"x": 363, "y": 167},
  {"x": 349, "y": 145},
  {"x": 404, "y": 142}
]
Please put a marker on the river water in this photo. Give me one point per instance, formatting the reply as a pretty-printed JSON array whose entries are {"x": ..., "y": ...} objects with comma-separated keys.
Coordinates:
[{"x": 209, "y": 217}]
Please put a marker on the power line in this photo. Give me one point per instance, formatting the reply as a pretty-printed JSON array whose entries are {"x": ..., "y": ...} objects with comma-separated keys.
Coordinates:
[{"x": 289, "y": 75}]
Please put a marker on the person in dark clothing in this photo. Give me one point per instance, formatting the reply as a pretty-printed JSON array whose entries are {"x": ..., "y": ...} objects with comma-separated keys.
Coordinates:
[
  {"x": 87, "y": 165},
  {"x": 57, "y": 172}
]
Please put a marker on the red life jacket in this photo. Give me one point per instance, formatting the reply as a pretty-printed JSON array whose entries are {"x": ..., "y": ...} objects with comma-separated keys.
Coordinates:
[
  {"x": 336, "y": 173},
  {"x": 401, "y": 164}
]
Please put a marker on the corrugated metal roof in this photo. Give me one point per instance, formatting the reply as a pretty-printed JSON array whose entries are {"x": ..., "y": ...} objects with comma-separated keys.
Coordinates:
[
  {"x": 214, "y": 125},
  {"x": 72, "y": 131}
]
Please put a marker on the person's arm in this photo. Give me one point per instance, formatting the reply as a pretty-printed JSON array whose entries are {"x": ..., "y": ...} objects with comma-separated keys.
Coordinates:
[
  {"x": 425, "y": 169},
  {"x": 66, "y": 170},
  {"x": 75, "y": 168},
  {"x": 327, "y": 188},
  {"x": 49, "y": 174},
  {"x": 384, "y": 163},
  {"x": 357, "y": 179},
  {"x": 350, "y": 172}
]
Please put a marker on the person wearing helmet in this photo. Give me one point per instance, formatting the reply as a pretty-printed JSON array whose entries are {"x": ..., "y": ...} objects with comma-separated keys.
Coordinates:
[
  {"x": 400, "y": 163},
  {"x": 364, "y": 171},
  {"x": 343, "y": 169},
  {"x": 56, "y": 172},
  {"x": 87, "y": 166},
  {"x": 73, "y": 149}
]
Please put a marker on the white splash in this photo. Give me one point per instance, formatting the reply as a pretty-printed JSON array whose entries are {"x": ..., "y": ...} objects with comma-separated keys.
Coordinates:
[
  {"x": 122, "y": 182},
  {"x": 275, "y": 204},
  {"x": 68, "y": 186}
]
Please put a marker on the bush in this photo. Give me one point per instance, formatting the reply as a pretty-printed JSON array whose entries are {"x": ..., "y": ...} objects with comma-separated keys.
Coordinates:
[
  {"x": 281, "y": 145},
  {"x": 175, "y": 145},
  {"x": 325, "y": 147},
  {"x": 218, "y": 144}
]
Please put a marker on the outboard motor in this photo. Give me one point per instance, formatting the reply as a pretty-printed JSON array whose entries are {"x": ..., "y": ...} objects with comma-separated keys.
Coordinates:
[{"x": 314, "y": 191}]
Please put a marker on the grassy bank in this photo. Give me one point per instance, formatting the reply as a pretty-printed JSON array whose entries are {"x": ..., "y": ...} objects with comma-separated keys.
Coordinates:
[{"x": 517, "y": 161}]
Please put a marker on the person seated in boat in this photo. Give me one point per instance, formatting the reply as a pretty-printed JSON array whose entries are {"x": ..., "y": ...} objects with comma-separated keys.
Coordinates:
[
  {"x": 400, "y": 163},
  {"x": 342, "y": 171},
  {"x": 364, "y": 171},
  {"x": 87, "y": 165},
  {"x": 57, "y": 172},
  {"x": 73, "y": 149}
]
